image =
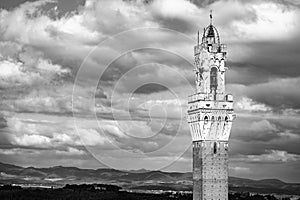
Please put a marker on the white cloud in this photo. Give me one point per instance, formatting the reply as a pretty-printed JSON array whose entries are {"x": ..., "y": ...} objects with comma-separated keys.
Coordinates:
[
  {"x": 67, "y": 138},
  {"x": 14, "y": 74},
  {"x": 175, "y": 9},
  {"x": 70, "y": 151},
  {"x": 32, "y": 140},
  {"x": 289, "y": 135},
  {"x": 273, "y": 156},
  {"x": 113, "y": 129},
  {"x": 91, "y": 137},
  {"x": 46, "y": 65},
  {"x": 247, "y": 104},
  {"x": 263, "y": 127},
  {"x": 272, "y": 22},
  {"x": 18, "y": 151},
  {"x": 51, "y": 134},
  {"x": 241, "y": 170}
]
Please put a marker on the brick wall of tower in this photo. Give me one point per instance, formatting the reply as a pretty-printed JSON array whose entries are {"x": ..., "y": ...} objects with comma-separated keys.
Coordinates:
[{"x": 210, "y": 170}]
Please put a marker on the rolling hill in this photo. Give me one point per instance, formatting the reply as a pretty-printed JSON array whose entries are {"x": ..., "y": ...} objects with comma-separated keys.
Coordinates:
[{"x": 134, "y": 179}]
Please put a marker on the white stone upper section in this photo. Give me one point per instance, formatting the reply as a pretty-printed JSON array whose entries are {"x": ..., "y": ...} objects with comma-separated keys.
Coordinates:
[{"x": 210, "y": 109}]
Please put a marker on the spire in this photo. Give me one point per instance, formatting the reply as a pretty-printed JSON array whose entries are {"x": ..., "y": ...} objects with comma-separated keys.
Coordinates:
[{"x": 211, "y": 17}]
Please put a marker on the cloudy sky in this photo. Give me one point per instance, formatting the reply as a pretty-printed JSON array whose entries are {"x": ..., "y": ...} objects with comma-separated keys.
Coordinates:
[{"x": 105, "y": 83}]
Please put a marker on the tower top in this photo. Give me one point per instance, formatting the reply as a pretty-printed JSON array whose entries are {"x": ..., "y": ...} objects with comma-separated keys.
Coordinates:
[{"x": 211, "y": 34}]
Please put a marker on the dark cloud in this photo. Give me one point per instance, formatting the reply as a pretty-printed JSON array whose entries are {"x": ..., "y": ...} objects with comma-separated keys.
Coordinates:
[
  {"x": 258, "y": 134},
  {"x": 279, "y": 93},
  {"x": 100, "y": 94},
  {"x": 177, "y": 24},
  {"x": 4, "y": 141},
  {"x": 3, "y": 122},
  {"x": 11, "y": 4},
  {"x": 203, "y": 3},
  {"x": 144, "y": 71},
  {"x": 67, "y": 6},
  {"x": 51, "y": 9},
  {"x": 246, "y": 74},
  {"x": 150, "y": 88},
  {"x": 254, "y": 131},
  {"x": 280, "y": 58}
]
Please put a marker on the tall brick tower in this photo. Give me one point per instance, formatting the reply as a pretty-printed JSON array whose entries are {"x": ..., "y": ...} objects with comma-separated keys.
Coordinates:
[{"x": 210, "y": 116}]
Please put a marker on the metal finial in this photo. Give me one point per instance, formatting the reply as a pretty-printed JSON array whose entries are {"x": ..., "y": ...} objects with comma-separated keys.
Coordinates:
[
  {"x": 198, "y": 37},
  {"x": 211, "y": 16}
]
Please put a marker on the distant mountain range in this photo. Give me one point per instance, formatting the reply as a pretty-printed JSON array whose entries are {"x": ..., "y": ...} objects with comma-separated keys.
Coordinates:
[{"x": 132, "y": 180}]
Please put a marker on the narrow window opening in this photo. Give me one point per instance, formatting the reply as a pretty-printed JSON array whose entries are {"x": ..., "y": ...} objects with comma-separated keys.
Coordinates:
[
  {"x": 226, "y": 120},
  {"x": 215, "y": 148},
  {"x": 205, "y": 120},
  {"x": 219, "y": 120},
  {"x": 214, "y": 80}
]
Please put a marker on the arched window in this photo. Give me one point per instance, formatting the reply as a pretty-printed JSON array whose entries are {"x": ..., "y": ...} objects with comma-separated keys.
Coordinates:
[
  {"x": 226, "y": 120},
  {"x": 213, "y": 79},
  {"x": 205, "y": 120},
  {"x": 215, "y": 148},
  {"x": 219, "y": 119},
  {"x": 226, "y": 146}
]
